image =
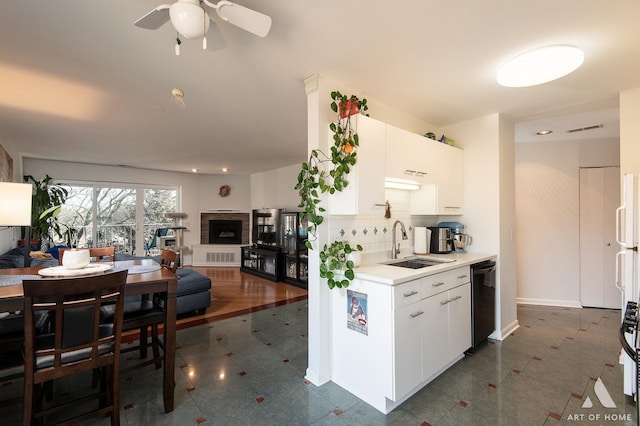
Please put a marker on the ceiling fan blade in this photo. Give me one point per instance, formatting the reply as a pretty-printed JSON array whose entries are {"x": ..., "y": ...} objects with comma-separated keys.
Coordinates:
[
  {"x": 242, "y": 17},
  {"x": 154, "y": 19}
]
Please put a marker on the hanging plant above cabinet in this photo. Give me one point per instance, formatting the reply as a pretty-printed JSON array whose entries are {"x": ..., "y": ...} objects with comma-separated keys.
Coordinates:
[{"x": 314, "y": 179}]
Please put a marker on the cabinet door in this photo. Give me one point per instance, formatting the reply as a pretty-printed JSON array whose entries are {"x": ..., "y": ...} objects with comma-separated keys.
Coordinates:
[
  {"x": 435, "y": 334},
  {"x": 365, "y": 192},
  {"x": 459, "y": 320},
  {"x": 450, "y": 180},
  {"x": 407, "y": 348},
  {"x": 409, "y": 156}
]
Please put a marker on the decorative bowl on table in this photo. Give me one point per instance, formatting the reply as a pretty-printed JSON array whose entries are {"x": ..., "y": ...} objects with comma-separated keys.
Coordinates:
[{"x": 76, "y": 259}]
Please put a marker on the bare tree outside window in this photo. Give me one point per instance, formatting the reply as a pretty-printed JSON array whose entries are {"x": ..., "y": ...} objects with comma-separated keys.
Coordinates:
[{"x": 97, "y": 216}]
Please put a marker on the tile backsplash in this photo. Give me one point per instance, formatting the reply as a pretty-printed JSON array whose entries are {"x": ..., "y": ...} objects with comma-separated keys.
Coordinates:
[{"x": 373, "y": 232}]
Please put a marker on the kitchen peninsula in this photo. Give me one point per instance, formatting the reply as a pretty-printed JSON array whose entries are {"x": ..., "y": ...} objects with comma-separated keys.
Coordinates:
[{"x": 395, "y": 329}]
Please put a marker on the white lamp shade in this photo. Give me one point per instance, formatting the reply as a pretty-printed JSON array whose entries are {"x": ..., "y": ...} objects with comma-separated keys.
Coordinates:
[
  {"x": 15, "y": 204},
  {"x": 189, "y": 19}
]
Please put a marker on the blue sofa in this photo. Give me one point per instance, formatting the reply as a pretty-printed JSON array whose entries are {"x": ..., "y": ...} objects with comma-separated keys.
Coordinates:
[{"x": 194, "y": 289}]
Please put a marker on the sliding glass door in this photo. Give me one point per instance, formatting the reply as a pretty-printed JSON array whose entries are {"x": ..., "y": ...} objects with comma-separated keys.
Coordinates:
[{"x": 127, "y": 217}]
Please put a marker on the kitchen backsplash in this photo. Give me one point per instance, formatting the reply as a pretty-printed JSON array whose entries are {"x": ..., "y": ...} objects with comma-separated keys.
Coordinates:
[{"x": 373, "y": 232}]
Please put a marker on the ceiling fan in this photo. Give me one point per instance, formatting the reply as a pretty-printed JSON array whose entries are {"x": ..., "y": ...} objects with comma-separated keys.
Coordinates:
[{"x": 191, "y": 20}]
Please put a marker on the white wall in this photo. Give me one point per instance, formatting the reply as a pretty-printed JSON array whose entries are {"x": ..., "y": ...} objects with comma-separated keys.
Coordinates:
[
  {"x": 547, "y": 209},
  {"x": 275, "y": 188},
  {"x": 489, "y": 202},
  {"x": 9, "y": 236},
  {"x": 199, "y": 192}
]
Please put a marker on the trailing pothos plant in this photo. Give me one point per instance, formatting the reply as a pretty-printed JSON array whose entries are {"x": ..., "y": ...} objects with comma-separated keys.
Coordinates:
[{"x": 317, "y": 177}]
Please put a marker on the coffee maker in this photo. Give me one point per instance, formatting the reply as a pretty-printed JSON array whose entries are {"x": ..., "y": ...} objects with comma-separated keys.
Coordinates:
[
  {"x": 441, "y": 241},
  {"x": 459, "y": 240}
]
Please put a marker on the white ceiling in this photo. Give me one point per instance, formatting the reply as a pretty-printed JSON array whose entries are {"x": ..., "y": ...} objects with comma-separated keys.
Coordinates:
[{"x": 78, "y": 81}]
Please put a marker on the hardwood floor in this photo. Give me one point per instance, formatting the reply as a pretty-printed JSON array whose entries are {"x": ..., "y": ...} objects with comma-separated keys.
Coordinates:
[{"x": 236, "y": 293}]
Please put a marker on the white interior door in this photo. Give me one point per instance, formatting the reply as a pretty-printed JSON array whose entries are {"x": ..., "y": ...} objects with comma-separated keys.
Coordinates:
[{"x": 599, "y": 198}]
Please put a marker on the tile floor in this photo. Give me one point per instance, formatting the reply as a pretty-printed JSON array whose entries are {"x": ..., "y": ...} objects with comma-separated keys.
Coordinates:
[{"x": 249, "y": 370}]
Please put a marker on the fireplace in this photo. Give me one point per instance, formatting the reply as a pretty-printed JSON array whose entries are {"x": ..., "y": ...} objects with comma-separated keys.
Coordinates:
[
  {"x": 212, "y": 234},
  {"x": 225, "y": 231}
]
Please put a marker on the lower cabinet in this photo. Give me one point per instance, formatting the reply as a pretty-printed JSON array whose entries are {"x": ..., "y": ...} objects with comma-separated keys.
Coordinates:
[
  {"x": 429, "y": 335},
  {"x": 267, "y": 263},
  {"x": 414, "y": 331}
]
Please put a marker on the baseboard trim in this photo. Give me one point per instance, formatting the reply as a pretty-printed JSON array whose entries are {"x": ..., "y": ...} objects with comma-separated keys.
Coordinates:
[{"x": 549, "y": 302}]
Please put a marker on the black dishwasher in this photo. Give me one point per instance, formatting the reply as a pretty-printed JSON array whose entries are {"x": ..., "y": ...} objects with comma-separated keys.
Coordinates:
[{"x": 483, "y": 301}]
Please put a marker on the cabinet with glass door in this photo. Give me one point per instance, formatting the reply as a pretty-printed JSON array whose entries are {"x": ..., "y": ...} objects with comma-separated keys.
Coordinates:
[{"x": 294, "y": 235}]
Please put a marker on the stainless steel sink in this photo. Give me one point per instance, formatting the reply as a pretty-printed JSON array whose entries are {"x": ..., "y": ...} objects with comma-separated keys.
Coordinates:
[{"x": 419, "y": 263}]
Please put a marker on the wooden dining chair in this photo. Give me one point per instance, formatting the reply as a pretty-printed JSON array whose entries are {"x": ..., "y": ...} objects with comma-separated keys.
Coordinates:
[
  {"x": 145, "y": 314},
  {"x": 79, "y": 342},
  {"x": 96, "y": 254}
]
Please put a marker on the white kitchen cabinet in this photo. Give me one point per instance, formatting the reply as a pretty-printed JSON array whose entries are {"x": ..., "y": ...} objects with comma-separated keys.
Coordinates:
[
  {"x": 416, "y": 330},
  {"x": 410, "y": 156},
  {"x": 409, "y": 324},
  {"x": 446, "y": 196},
  {"x": 365, "y": 192},
  {"x": 432, "y": 332},
  {"x": 450, "y": 179},
  {"x": 459, "y": 319}
]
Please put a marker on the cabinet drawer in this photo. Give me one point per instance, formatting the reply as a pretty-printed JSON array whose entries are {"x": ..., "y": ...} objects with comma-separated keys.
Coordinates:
[
  {"x": 434, "y": 284},
  {"x": 406, "y": 294}
]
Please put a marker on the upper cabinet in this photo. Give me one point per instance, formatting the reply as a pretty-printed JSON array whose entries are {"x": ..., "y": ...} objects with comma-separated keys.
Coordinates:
[
  {"x": 388, "y": 152},
  {"x": 365, "y": 192},
  {"x": 410, "y": 156}
]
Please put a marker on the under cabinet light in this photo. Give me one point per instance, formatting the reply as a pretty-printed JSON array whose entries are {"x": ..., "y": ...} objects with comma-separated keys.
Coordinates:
[{"x": 409, "y": 185}]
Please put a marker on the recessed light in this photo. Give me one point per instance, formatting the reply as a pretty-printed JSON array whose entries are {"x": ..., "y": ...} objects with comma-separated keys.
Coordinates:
[
  {"x": 540, "y": 66},
  {"x": 225, "y": 170},
  {"x": 195, "y": 170},
  {"x": 543, "y": 132}
]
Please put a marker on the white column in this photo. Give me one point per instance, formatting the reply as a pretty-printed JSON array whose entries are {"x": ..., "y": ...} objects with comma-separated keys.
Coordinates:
[{"x": 319, "y": 368}]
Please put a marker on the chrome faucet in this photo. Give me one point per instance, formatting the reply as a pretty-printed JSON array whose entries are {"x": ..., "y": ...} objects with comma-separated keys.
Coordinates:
[{"x": 395, "y": 250}]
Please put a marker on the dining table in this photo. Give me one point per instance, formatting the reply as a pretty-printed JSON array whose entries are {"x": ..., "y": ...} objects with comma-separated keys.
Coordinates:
[{"x": 145, "y": 276}]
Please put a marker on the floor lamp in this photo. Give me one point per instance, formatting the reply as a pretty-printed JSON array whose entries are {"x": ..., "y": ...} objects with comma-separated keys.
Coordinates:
[{"x": 15, "y": 210}]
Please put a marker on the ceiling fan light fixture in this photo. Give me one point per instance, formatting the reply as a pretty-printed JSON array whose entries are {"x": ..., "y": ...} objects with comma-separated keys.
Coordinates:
[
  {"x": 189, "y": 18},
  {"x": 540, "y": 66}
]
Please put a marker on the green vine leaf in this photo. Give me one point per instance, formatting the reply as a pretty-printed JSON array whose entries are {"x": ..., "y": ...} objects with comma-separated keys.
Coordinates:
[{"x": 313, "y": 182}]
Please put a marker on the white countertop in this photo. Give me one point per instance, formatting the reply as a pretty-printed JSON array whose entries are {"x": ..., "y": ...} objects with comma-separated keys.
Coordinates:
[{"x": 393, "y": 275}]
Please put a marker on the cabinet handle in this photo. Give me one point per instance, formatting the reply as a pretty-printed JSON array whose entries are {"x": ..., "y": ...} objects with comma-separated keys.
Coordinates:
[
  {"x": 421, "y": 174},
  {"x": 444, "y": 302},
  {"x": 437, "y": 284},
  {"x": 456, "y": 297},
  {"x": 452, "y": 207},
  {"x": 411, "y": 293},
  {"x": 462, "y": 276},
  {"x": 417, "y": 314},
  {"x": 409, "y": 172}
]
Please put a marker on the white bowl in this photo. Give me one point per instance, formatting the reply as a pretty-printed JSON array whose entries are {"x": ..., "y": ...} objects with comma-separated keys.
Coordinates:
[{"x": 75, "y": 259}]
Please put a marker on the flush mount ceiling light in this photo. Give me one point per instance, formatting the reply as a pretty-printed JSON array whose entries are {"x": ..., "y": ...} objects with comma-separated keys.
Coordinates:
[
  {"x": 540, "y": 66},
  {"x": 543, "y": 132}
]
